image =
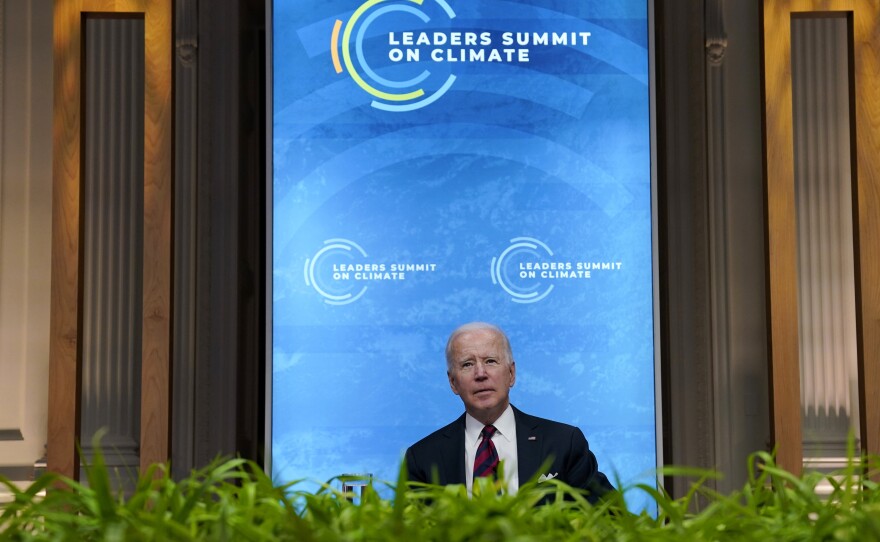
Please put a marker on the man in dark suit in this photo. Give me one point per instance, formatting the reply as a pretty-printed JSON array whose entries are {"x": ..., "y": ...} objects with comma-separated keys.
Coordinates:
[{"x": 481, "y": 371}]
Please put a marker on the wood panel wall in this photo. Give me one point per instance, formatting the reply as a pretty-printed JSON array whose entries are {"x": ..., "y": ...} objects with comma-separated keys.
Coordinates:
[
  {"x": 781, "y": 231},
  {"x": 66, "y": 304},
  {"x": 866, "y": 38}
]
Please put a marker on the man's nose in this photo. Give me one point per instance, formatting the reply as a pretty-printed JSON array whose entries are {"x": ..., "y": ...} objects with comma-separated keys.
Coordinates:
[{"x": 480, "y": 371}]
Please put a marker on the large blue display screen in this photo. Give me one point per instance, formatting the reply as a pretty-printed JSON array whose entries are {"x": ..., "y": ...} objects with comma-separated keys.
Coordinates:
[{"x": 437, "y": 162}]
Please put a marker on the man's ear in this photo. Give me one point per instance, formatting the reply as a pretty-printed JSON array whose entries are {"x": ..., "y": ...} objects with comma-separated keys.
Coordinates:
[
  {"x": 452, "y": 383},
  {"x": 512, "y": 373}
]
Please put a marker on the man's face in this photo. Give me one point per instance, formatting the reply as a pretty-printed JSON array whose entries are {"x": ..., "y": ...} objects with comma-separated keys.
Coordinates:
[{"x": 481, "y": 374}]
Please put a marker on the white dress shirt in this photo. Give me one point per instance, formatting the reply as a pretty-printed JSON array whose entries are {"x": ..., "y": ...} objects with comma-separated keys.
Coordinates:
[{"x": 504, "y": 440}]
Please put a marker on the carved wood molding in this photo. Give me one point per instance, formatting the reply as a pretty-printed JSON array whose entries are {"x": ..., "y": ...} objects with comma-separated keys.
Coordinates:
[
  {"x": 823, "y": 176},
  {"x": 186, "y": 107},
  {"x": 716, "y": 144},
  {"x": 684, "y": 241},
  {"x": 716, "y": 37},
  {"x": 112, "y": 202}
]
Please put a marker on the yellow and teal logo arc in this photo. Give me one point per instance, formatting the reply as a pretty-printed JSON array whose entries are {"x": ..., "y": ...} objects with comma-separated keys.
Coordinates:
[{"x": 347, "y": 53}]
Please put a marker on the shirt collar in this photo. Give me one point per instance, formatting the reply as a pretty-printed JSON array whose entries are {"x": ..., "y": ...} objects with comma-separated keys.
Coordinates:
[{"x": 505, "y": 424}]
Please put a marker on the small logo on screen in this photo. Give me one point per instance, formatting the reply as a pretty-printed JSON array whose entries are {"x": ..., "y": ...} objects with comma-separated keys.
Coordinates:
[
  {"x": 505, "y": 270},
  {"x": 321, "y": 271},
  {"x": 341, "y": 271},
  {"x": 528, "y": 270}
]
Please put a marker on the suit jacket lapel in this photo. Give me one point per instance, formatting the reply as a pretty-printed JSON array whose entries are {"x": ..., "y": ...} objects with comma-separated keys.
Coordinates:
[
  {"x": 452, "y": 467},
  {"x": 529, "y": 445}
]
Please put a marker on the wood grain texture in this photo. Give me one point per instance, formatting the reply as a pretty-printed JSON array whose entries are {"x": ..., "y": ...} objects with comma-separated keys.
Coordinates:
[
  {"x": 781, "y": 238},
  {"x": 66, "y": 235},
  {"x": 64, "y": 347},
  {"x": 781, "y": 246},
  {"x": 866, "y": 38}
]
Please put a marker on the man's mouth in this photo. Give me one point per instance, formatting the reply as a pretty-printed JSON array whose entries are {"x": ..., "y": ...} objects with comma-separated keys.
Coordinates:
[{"x": 483, "y": 391}]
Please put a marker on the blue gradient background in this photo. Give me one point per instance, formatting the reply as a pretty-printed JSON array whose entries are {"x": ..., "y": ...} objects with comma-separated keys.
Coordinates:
[{"x": 557, "y": 149}]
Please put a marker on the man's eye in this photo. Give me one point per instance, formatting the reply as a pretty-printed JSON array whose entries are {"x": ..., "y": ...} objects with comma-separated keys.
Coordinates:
[
  {"x": 466, "y": 364},
  {"x": 491, "y": 361}
]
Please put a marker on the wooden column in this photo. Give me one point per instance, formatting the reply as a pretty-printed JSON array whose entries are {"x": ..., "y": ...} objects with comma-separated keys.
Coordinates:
[
  {"x": 782, "y": 272},
  {"x": 67, "y": 292},
  {"x": 866, "y": 45}
]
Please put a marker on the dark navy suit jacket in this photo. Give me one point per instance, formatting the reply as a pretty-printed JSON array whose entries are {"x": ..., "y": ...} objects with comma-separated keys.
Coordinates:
[{"x": 537, "y": 440}]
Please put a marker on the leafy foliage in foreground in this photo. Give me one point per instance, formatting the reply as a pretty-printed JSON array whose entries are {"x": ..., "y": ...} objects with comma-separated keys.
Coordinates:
[{"x": 236, "y": 500}]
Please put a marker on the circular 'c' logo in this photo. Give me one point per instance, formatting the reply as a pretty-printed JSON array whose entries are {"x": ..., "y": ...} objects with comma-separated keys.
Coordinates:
[
  {"x": 510, "y": 270},
  {"x": 321, "y": 271},
  {"x": 389, "y": 94}
]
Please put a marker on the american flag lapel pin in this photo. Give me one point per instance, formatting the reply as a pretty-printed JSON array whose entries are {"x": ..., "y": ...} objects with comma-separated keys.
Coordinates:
[{"x": 533, "y": 438}]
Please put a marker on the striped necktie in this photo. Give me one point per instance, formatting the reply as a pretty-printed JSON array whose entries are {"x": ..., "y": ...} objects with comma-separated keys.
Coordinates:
[{"x": 486, "y": 461}]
